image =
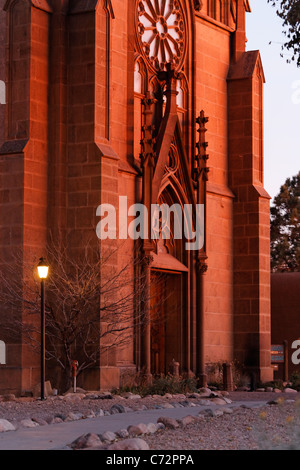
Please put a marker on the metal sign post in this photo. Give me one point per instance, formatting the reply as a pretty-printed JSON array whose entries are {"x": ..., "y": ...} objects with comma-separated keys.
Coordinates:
[
  {"x": 74, "y": 367},
  {"x": 279, "y": 355}
]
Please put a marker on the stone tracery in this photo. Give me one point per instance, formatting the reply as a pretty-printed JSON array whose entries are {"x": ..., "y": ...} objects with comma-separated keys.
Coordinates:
[{"x": 161, "y": 29}]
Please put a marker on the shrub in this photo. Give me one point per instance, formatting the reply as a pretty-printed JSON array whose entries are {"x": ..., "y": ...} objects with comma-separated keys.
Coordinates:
[
  {"x": 161, "y": 385},
  {"x": 171, "y": 384},
  {"x": 295, "y": 381}
]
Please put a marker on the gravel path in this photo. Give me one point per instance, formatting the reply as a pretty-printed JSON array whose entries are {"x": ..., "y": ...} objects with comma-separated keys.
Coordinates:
[{"x": 264, "y": 427}]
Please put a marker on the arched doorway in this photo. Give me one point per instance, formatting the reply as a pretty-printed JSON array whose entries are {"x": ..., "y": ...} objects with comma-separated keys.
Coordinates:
[
  {"x": 167, "y": 310},
  {"x": 169, "y": 286}
]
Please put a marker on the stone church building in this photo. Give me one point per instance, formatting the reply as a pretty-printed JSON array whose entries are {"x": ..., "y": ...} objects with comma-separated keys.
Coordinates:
[{"x": 158, "y": 101}]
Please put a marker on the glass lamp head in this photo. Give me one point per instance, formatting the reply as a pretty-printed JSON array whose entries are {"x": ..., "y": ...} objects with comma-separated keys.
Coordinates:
[{"x": 43, "y": 269}]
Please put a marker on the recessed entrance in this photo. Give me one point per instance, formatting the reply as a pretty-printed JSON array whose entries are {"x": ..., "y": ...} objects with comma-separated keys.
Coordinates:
[{"x": 166, "y": 320}]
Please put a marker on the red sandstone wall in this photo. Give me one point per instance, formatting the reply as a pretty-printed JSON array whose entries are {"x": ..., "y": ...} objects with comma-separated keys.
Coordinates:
[
  {"x": 97, "y": 144},
  {"x": 251, "y": 215},
  {"x": 23, "y": 164},
  {"x": 212, "y": 63},
  {"x": 79, "y": 160},
  {"x": 2, "y": 66}
]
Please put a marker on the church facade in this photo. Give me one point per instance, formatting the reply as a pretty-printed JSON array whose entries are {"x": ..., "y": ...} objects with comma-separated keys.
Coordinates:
[{"x": 158, "y": 102}]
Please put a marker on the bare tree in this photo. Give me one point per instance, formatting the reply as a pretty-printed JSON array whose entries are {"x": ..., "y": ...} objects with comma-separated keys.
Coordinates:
[{"x": 92, "y": 304}]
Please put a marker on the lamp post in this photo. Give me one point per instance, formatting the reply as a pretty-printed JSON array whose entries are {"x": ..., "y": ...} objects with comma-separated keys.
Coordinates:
[{"x": 43, "y": 273}]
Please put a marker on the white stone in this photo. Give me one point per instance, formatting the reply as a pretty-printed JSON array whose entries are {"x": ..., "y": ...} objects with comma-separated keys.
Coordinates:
[
  {"x": 74, "y": 397},
  {"x": 6, "y": 426},
  {"x": 108, "y": 436},
  {"x": 91, "y": 396},
  {"x": 218, "y": 401},
  {"x": 122, "y": 433},
  {"x": 217, "y": 413},
  {"x": 57, "y": 419},
  {"x": 204, "y": 402},
  {"x": 204, "y": 394},
  {"x": 85, "y": 441},
  {"x": 137, "y": 429},
  {"x": 193, "y": 395},
  {"x": 205, "y": 390},
  {"x": 152, "y": 428},
  {"x": 289, "y": 390},
  {"x": 227, "y": 410},
  {"x": 227, "y": 400},
  {"x": 187, "y": 420},
  {"x": 74, "y": 416},
  {"x": 28, "y": 423},
  {"x": 167, "y": 405},
  {"x": 132, "y": 396},
  {"x": 168, "y": 422},
  {"x": 130, "y": 444}
]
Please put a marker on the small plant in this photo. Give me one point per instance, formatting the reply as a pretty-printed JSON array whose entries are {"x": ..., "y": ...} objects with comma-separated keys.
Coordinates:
[
  {"x": 214, "y": 372},
  {"x": 161, "y": 385},
  {"x": 295, "y": 381},
  {"x": 274, "y": 384},
  {"x": 171, "y": 384},
  {"x": 126, "y": 388},
  {"x": 240, "y": 376}
]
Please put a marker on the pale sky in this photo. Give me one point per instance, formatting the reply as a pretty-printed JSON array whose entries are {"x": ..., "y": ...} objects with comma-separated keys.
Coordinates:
[{"x": 281, "y": 96}]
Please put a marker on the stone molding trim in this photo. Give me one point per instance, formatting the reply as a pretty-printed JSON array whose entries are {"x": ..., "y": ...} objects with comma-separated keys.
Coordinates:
[
  {"x": 260, "y": 191},
  {"x": 79, "y": 6},
  {"x": 220, "y": 190},
  {"x": 85, "y": 6},
  {"x": 13, "y": 147},
  {"x": 107, "y": 151},
  {"x": 245, "y": 66},
  {"x": 40, "y": 4}
]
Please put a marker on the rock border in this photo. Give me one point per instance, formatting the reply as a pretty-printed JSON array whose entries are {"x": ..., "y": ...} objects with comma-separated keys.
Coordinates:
[{"x": 205, "y": 397}]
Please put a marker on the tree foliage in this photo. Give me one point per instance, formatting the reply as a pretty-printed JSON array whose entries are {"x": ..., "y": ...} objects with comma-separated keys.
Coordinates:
[
  {"x": 285, "y": 227},
  {"x": 289, "y": 12}
]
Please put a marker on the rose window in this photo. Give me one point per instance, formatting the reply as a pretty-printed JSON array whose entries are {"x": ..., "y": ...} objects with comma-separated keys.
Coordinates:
[{"x": 161, "y": 28}]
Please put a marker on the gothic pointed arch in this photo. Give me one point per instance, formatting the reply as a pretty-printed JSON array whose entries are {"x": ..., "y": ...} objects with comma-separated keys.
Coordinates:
[
  {"x": 164, "y": 33},
  {"x": 165, "y": 39},
  {"x": 177, "y": 171}
]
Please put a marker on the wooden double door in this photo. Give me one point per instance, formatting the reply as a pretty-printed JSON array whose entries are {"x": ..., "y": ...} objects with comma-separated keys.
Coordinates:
[{"x": 167, "y": 340}]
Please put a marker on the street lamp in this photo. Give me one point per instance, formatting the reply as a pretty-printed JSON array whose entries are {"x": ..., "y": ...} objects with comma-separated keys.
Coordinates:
[{"x": 43, "y": 273}]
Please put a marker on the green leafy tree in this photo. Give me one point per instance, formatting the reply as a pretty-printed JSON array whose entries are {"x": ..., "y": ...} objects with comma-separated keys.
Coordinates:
[
  {"x": 285, "y": 227},
  {"x": 289, "y": 12}
]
